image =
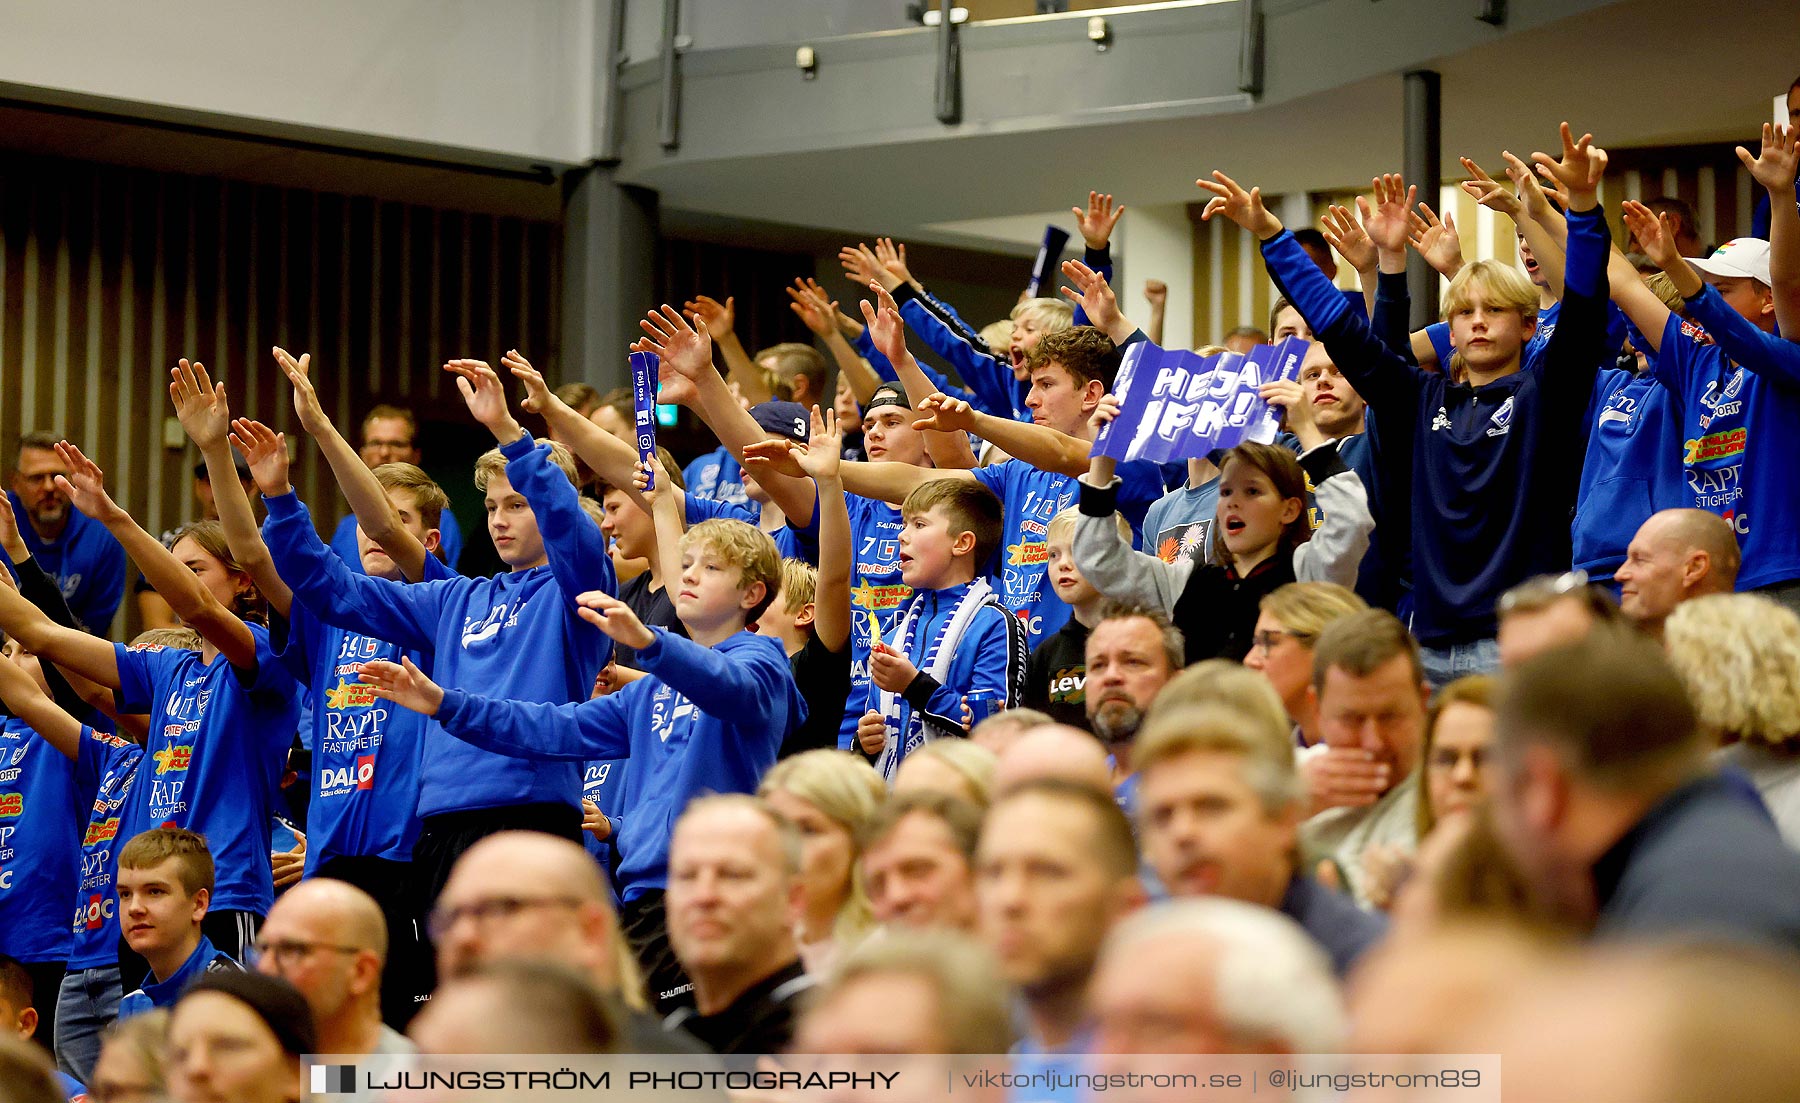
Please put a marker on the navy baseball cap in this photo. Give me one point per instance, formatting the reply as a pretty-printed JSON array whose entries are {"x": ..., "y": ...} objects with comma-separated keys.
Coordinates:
[{"x": 784, "y": 419}]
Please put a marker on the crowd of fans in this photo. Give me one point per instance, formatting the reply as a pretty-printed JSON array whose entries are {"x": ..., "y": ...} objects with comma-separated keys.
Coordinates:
[{"x": 1462, "y": 718}]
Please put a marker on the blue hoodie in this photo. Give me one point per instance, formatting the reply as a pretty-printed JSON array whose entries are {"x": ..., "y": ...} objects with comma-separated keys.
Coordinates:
[
  {"x": 1496, "y": 467},
  {"x": 707, "y": 720},
  {"x": 105, "y": 773},
  {"x": 716, "y": 475},
  {"x": 206, "y": 958},
  {"x": 39, "y": 834},
  {"x": 1740, "y": 409},
  {"x": 87, "y": 563},
  {"x": 343, "y": 541},
  {"x": 516, "y": 635},
  {"x": 1633, "y": 467}
]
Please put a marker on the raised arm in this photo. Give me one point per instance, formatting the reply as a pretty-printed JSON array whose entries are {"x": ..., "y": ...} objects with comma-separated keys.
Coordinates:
[
  {"x": 174, "y": 580},
  {"x": 686, "y": 354},
  {"x": 1038, "y": 445},
  {"x": 1774, "y": 168},
  {"x": 1156, "y": 293},
  {"x": 1378, "y": 373},
  {"x": 379, "y": 520},
  {"x": 948, "y": 450},
  {"x": 1095, "y": 297},
  {"x": 201, "y": 407},
  {"x": 607, "y": 456},
  {"x": 567, "y": 732},
  {"x": 819, "y": 313},
  {"x": 823, "y": 460},
  {"x": 667, "y": 519},
  {"x": 1344, "y": 234},
  {"x": 885, "y": 481}
]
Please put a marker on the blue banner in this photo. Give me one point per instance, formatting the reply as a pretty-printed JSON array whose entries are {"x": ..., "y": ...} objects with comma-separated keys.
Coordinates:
[
  {"x": 644, "y": 367},
  {"x": 1048, "y": 259},
  {"x": 1179, "y": 405}
]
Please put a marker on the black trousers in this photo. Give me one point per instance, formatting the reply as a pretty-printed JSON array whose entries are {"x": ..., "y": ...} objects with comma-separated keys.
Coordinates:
[
  {"x": 646, "y": 927},
  {"x": 443, "y": 838}
]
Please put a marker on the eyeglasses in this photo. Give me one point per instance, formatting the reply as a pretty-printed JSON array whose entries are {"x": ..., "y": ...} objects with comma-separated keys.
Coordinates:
[
  {"x": 1266, "y": 641},
  {"x": 1447, "y": 758},
  {"x": 288, "y": 952},
  {"x": 442, "y": 919}
]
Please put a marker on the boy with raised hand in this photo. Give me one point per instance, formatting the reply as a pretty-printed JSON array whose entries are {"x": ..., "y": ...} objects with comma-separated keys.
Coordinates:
[
  {"x": 877, "y": 589},
  {"x": 1739, "y": 383},
  {"x": 811, "y": 614},
  {"x": 953, "y": 638},
  {"x": 709, "y": 717},
  {"x": 516, "y": 633},
  {"x": 1497, "y": 458},
  {"x": 165, "y": 886},
  {"x": 363, "y": 818}
]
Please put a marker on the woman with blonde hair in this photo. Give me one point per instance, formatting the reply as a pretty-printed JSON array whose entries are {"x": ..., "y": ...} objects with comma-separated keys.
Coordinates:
[
  {"x": 1288, "y": 622},
  {"x": 828, "y": 795},
  {"x": 1739, "y": 655},
  {"x": 959, "y": 767}
]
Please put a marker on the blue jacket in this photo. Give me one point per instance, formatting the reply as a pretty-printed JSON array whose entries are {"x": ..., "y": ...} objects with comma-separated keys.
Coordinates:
[
  {"x": 716, "y": 475},
  {"x": 515, "y": 635},
  {"x": 40, "y": 834},
  {"x": 206, "y": 958},
  {"x": 1633, "y": 467},
  {"x": 707, "y": 720},
  {"x": 1496, "y": 467},
  {"x": 87, "y": 563},
  {"x": 991, "y": 657}
]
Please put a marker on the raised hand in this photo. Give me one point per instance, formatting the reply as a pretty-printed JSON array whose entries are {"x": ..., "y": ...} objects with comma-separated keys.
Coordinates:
[
  {"x": 1652, "y": 233},
  {"x": 199, "y": 404},
  {"x": 1385, "y": 220},
  {"x": 306, "y": 400},
  {"x": 651, "y": 479},
  {"x": 615, "y": 618},
  {"x": 539, "y": 398},
  {"x": 1156, "y": 293},
  {"x": 1296, "y": 412},
  {"x": 85, "y": 486},
  {"x": 10, "y": 540},
  {"x": 816, "y": 311},
  {"x": 684, "y": 349},
  {"x": 944, "y": 414},
  {"x": 885, "y": 327},
  {"x": 1489, "y": 192},
  {"x": 1104, "y": 412},
  {"x": 720, "y": 317},
  {"x": 485, "y": 397},
  {"x": 1098, "y": 220},
  {"x": 1579, "y": 169},
  {"x": 864, "y": 267},
  {"x": 823, "y": 456},
  {"x": 404, "y": 684},
  {"x": 1533, "y": 200},
  {"x": 266, "y": 452},
  {"x": 1243, "y": 207},
  {"x": 1775, "y": 166},
  {"x": 772, "y": 457},
  {"x": 892, "y": 257},
  {"x": 671, "y": 386},
  {"x": 1435, "y": 239},
  {"x": 1094, "y": 294},
  {"x": 1345, "y": 234}
]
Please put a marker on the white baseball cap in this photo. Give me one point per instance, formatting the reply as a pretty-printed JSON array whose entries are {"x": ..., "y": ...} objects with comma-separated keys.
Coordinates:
[{"x": 1741, "y": 257}]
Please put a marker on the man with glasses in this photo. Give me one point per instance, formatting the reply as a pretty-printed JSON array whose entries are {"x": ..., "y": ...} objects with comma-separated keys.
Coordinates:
[
  {"x": 328, "y": 939},
  {"x": 524, "y": 895},
  {"x": 390, "y": 434},
  {"x": 77, "y": 551}
]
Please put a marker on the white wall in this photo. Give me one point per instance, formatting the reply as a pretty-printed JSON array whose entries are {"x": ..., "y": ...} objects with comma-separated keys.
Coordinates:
[
  {"x": 512, "y": 80},
  {"x": 1158, "y": 243}
]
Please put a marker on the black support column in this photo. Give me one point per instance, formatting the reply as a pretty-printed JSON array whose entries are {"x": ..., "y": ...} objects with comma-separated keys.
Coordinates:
[
  {"x": 1424, "y": 158},
  {"x": 610, "y": 240}
]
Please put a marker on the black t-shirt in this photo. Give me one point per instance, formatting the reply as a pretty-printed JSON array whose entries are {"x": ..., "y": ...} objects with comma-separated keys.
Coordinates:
[
  {"x": 1056, "y": 675},
  {"x": 654, "y": 607},
  {"x": 823, "y": 677},
  {"x": 759, "y": 1021}
]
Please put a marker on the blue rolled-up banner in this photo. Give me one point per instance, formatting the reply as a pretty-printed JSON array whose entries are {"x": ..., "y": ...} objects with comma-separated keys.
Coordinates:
[
  {"x": 644, "y": 367},
  {"x": 1048, "y": 258},
  {"x": 1179, "y": 405}
]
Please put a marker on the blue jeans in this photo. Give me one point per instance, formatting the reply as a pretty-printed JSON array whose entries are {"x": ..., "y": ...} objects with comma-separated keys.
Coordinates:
[
  {"x": 86, "y": 1006},
  {"x": 1444, "y": 665}
]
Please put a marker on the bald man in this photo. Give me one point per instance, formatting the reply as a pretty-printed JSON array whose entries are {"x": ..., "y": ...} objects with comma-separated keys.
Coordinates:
[
  {"x": 1676, "y": 556},
  {"x": 525, "y": 895},
  {"x": 1054, "y": 751},
  {"x": 328, "y": 939}
]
